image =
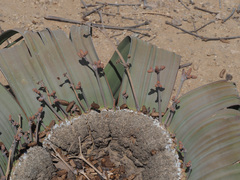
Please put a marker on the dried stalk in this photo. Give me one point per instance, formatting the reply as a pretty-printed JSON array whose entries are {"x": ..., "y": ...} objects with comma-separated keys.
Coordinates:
[
  {"x": 39, "y": 120},
  {"x": 126, "y": 69},
  {"x": 184, "y": 77},
  {"x": 210, "y": 22},
  {"x": 156, "y": 13},
  {"x": 94, "y": 10},
  {"x": 54, "y": 18},
  {"x": 233, "y": 11},
  {"x": 42, "y": 99},
  {"x": 85, "y": 98},
  {"x": 12, "y": 150},
  {"x": 184, "y": 65},
  {"x": 204, "y": 10},
  {"x": 202, "y": 37},
  {"x": 84, "y": 4},
  {"x": 74, "y": 90},
  {"x": 57, "y": 103},
  {"x": 84, "y": 174},
  {"x": 59, "y": 156},
  {"x": 110, "y": 4},
  {"x": 41, "y": 83},
  {"x": 95, "y": 68},
  {"x": 9, "y": 165},
  {"x": 183, "y": 4},
  {"x": 80, "y": 156},
  {"x": 30, "y": 129}
]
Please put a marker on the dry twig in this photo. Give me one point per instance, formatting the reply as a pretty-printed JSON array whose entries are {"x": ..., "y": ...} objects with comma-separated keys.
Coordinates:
[
  {"x": 93, "y": 11},
  {"x": 203, "y": 37},
  {"x": 60, "y": 157},
  {"x": 135, "y": 27},
  {"x": 183, "y": 4},
  {"x": 184, "y": 65},
  {"x": 233, "y": 11},
  {"x": 80, "y": 156},
  {"x": 204, "y": 10},
  {"x": 84, "y": 4},
  {"x": 110, "y": 4},
  {"x": 210, "y": 22},
  {"x": 155, "y": 13}
]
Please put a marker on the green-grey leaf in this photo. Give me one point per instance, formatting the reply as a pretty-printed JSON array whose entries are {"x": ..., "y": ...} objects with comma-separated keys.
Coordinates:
[
  {"x": 8, "y": 107},
  {"x": 203, "y": 102},
  {"x": 209, "y": 131},
  {"x": 46, "y": 55},
  {"x": 142, "y": 56}
]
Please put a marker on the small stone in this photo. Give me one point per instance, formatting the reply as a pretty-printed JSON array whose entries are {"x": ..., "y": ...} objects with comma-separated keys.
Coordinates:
[
  {"x": 218, "y": 16},
  {"x": 177, "y": 22},
  {"x": 229, "y": 77},
  {"x": 34, "y": 22}
]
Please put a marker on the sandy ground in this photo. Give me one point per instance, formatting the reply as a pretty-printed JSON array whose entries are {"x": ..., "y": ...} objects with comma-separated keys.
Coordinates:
[{"x": 208, "y": 58}]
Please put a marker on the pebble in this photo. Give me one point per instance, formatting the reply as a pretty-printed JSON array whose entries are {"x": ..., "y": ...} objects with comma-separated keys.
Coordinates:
[
  {"x": 218, "y": 16},
  {"x": 34, "y": 22},
  {"x": 177, "y": 22},
  {"x": 229, "y": 77}
]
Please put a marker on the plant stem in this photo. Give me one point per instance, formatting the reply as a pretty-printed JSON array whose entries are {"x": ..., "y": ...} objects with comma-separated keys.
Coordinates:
[
  {"x": 84, "y": 174},
  {"x": 159, "y": 104},
  {"x": 170, "y": 118},
  {"x": 51, "y": 108},
  {"x": 85, "y": 98},
  {"x": 74, "y": 90},
  {"x": 126, "y": 68},
  {"x": 80, "y": 156},
  {"x": 30, "y": 129},
  {"x": 100, "y": 87},
  {"x": 38, "y": 127},
  {"x": 8, "y": 165},
  {"x": 159, "y": 98},
  {"x": 59, "y": 156},
  {"x": 61, "y": 109},
  {"x": 95, "y": 69},
  {"x": 179, "y": 89},
  {"x": 11, "y": 154}
]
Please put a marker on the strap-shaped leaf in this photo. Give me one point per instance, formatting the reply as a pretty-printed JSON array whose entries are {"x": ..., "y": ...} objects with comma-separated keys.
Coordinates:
[
  {"x": 114, "y": 72},
  {"x": 203, "y": 102},
  {"x": 21, "y": 72},
  {"x": 8, "y": 107},
  {"x": 215, "y": 145},
  {"x": 209, "y": 131},
  {"x": 46, "y": 55},
  {"x": 142, "y": 56},
  {"x": 81, "y": 39}
]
